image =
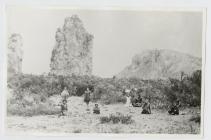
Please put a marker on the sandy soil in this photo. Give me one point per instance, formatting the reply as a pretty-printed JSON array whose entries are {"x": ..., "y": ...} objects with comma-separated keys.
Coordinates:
[{"x": 79, "y": 120}]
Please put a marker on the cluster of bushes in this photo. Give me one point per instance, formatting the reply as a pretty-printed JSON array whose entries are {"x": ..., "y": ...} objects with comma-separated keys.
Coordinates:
[
  {"x": 26, "y": 104},
  {"x": 31, "y": 110},
  {"x": 116, "y": 118},
  {"x": 187, "y": 89},
  {"x": 106, "y": 90}
]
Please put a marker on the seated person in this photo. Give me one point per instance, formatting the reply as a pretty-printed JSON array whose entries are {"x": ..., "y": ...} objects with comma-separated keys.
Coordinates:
[
  {"x": 174, "y": 109},
  {"x": 146, "y": 107},
  {"x": 137, "y": 102},
  {"x": 96, "y": 109}
]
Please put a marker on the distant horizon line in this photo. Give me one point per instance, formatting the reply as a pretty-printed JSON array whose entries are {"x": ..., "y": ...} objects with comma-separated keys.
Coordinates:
[{"x": 46, "y": 73}]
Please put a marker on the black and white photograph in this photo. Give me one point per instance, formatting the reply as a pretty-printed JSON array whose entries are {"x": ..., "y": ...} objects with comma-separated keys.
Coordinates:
[{"x": 111, "y": 70}]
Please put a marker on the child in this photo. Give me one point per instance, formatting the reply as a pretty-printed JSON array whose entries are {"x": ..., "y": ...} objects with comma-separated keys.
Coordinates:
[
  {"x": 96, "y": 109},
  {"x": 63, "y": 108}
]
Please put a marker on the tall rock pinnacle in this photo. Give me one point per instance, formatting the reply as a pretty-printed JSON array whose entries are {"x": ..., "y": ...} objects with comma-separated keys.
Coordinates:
[
  {"x": 72, "y": 53},
  {"x": 14, "y": 54}
]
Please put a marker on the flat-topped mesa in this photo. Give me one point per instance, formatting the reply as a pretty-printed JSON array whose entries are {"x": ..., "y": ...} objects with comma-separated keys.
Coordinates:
[
  {"x": 14, "y": 54},
  {"x": 72, "y": 53}
]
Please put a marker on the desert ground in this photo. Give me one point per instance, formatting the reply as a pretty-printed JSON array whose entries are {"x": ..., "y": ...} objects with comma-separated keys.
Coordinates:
[{"x": 79, "y": 120}]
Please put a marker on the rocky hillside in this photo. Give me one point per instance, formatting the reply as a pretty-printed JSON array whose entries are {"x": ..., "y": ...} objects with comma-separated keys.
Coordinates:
[
  {"x": 14, "y": 54},
  {"x": 72, "y": 53},
  {"x": 160, "y": 64}
]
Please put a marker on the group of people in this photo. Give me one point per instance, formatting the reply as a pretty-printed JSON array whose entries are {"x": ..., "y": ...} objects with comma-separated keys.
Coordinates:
[
  {"x": 63, "y": 104},
  {"x": 133, "y": 99}
]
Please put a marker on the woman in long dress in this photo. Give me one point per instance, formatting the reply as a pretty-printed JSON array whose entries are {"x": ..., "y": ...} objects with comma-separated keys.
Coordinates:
[
  {"x": 65, "y": 94},
  {"x": 87, "y": 97},
  {"x": 128, "y": 98}
]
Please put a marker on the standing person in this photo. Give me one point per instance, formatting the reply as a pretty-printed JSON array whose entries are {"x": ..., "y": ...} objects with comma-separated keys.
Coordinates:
[
  {"x": 146, "y": 109},
  {"x": 87, "y": 97},
  {"x": 64, "y": 94},
  {"x": 75, "y": 90},
  {"x": 128, "y": 98}
]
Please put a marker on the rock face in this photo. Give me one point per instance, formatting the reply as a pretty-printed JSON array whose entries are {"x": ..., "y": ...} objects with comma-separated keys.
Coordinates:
[
  {"x": 14, "y": 54},
  {"x": 72, "y": 53},
  {"x": 160, "y": 64}
]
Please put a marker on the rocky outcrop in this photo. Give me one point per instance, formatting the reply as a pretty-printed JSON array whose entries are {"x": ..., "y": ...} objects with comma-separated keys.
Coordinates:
[
  {"x": 14, "y": 54},
  {"x": 72, "y": 53},
  {"x": 161, "y": 64}
]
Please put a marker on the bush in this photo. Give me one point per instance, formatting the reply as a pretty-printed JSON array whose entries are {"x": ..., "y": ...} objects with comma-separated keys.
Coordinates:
[
  {"x": 77, "y": 131},
  {"x": 104, "y": 119},
  {"x": 40, "y": 109},
  {"x": 196, "y": 119},
  {"x": 161, "y": 93},
  {"x": 26, "y": 104},
  {"x": 187, "y": 89},
  {"x": 117, "y": 118}
]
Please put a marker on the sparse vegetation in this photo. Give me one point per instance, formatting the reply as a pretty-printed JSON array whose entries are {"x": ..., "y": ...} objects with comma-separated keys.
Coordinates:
[
  {"x": 196, "y": 119},
  {"x": 77, "y": 131},
  {"x": 117, "y": 118},
  {"x": 106, "y": 90}
]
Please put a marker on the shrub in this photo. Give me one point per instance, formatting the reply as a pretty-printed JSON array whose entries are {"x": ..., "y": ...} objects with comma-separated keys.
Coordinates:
[
  {"x": 77, "y": 131},
  {"x": 40, "y": 109},
  {"x": 116, "y": 130},
  {"x": 30, "y": 104},
  {"x": 107, "y": 90},
  {"x": 187, "y": 89},
  {"x": 196, "y": 118},
  {"x": 117, "y": 118},
  {"x": 104, "y": 119}
]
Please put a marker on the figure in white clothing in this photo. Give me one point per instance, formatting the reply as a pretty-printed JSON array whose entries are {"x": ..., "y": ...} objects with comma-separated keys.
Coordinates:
[
  {"x": 64, "y": 94},
  {"x": 128, "y": 98},
  {"x": 128, "y": 101}
]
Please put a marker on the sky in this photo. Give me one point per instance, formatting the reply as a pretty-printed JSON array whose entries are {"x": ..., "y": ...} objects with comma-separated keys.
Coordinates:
[{"x": 118, "y": 34}]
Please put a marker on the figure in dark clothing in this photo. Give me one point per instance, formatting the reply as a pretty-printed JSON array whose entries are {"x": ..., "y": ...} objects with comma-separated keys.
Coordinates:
[
  {"x": 87, "y": 97},
  {"x": 174, "y": 109},
  {"x": 137, "y": 102},
  {"x": 96, "y": 109},
  {"x": 146, "y": 109},
  {"x": 63, "y": 106}
]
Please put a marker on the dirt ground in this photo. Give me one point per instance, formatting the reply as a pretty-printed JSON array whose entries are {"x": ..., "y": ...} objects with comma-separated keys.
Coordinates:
[{"x": 79, "y": 120}]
